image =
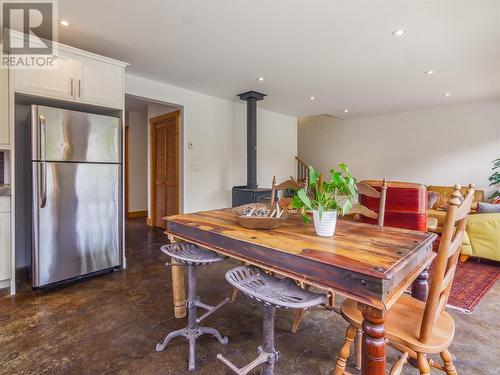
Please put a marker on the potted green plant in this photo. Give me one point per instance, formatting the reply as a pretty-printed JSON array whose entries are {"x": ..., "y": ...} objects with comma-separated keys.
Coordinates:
[
  {"x": 495, "y": 179},
  {"x": 326, "y": 198}
]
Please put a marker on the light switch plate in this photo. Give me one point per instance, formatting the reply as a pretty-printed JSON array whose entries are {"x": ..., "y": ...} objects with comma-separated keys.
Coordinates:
[{"x": 190, "y": 145}]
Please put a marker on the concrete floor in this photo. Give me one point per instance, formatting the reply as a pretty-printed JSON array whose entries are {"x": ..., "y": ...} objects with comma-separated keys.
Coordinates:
[{"x": 111, "y": 324}]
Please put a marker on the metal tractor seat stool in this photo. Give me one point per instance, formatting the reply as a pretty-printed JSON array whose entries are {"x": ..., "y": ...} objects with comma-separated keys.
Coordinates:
[
  {"x": 192, "y": 256},
  {"x": 271, "y": 292}
]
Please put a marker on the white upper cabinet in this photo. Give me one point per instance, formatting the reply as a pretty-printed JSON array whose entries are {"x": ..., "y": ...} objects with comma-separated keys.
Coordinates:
[
  {"x": 79, "y": 77},
  {"x": 4, "y": 108},
  {"x": 100, "y": 84},
  {"x": 58, "y": 82}
]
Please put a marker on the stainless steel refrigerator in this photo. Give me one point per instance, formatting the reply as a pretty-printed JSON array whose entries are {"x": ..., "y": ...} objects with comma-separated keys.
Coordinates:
[{"x": 76, "y": 194}]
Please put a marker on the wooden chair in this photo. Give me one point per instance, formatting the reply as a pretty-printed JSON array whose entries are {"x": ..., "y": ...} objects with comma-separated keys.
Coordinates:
[
  {"x": 369, "y": 191},
  {"x": 414, "y": 327},
  {"x": 284, "y": 202},
  {"x": 405, "y": 208}
]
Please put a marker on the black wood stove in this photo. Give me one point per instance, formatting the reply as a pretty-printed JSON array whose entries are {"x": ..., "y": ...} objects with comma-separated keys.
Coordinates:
[{"x": 251, "y": 193}]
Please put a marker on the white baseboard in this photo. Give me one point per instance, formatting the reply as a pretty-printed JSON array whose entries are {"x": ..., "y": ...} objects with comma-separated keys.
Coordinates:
[{"x": 4, "y": 284}]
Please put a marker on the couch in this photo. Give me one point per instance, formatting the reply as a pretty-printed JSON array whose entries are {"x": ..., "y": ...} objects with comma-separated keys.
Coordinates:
[
  {"x": 482, "y": 234},
  {"x": 482, "y": 237},
  {"x": 439, "y": 210}
]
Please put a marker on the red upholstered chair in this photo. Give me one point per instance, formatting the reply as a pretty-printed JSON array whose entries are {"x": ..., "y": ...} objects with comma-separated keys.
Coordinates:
[{"x": 405, "y": 207}]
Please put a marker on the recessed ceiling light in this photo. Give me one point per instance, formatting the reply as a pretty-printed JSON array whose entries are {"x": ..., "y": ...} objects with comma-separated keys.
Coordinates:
[
  {"x": 312, "y": 98},
  {"x": 399, "y": 32},
  {"x": 64, "y": 23},
  {"x": 346, "y": 110},
  {"x": 261, "y": 79},
  {"x": 447, "y": 94},
  {"x": 429, "y": 72}
]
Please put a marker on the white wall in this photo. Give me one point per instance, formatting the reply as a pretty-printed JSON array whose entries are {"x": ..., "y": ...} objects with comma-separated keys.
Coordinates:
[
  {"x": 157, "y": 109},
  {"x": 443, "y": 146},
  {"x": 217, "y": 129},
  {"x": 137, "y": 160}
]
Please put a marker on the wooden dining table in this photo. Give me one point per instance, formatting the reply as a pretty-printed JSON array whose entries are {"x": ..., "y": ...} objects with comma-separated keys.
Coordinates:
[{"x": 370, "y": 264}]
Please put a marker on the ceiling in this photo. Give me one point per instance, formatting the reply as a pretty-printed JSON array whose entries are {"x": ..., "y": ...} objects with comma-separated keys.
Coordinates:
[{"x": 343, "y": 53}]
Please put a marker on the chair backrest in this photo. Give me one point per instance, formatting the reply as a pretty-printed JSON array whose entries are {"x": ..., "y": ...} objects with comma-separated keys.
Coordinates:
[
  {"x": 447, "y": 258},
  {"x": 405, "y": 207},
  {"x": 369, "y": 191},
  {"x": 285, "y": 185}
]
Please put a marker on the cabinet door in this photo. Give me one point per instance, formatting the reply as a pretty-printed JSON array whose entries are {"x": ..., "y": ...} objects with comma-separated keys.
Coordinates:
[
  {"x": 100, "y": 83},
  {"x": 5, "y": 265},
  {"x": 4, "y": 107},
  {"x": 57, "y": 82}
]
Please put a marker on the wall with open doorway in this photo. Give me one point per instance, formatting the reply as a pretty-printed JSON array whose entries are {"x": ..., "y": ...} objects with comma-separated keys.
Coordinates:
[
  {"x": 138, "y": 113},
  {"x": 136, "y": 150},
  {"x": 213, "y": 143}
]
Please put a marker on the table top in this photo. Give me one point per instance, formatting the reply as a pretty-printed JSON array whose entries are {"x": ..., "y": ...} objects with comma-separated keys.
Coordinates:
[{"x": 371, "y": 264}]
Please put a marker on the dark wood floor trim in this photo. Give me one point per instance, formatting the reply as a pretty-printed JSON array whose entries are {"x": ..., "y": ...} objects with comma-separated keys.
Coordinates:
[{"x": 137, "y": 214}]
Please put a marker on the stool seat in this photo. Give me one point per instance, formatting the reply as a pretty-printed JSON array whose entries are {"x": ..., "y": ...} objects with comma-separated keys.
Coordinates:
[
  {"x": 190, "y": 254},
  {"x": 271, "y": 291},
  {"x": 193, "y": 256}
]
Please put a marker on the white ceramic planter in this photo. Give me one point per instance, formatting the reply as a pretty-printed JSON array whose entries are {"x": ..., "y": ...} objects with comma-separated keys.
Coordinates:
[{"x": 325, "y": 227}]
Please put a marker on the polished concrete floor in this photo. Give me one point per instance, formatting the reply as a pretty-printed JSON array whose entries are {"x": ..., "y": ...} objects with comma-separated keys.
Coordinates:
[{"x": 111, "y": 324}]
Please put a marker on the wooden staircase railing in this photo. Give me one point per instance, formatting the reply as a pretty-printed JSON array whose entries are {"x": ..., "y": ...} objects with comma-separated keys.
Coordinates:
[{"x": 302, "y": 170}]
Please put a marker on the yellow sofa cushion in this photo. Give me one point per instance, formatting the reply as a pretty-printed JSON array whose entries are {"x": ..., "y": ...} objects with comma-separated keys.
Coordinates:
[
  {"x": 446, "y": 191},
  {"x": 484, "y": 235},
  {"x": 438, "y": 214},
  {"x": 466, "y": 245}
]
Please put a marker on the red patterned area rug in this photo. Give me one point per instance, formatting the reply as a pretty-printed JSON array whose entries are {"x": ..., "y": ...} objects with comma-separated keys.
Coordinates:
[{"x": 472, "y": 282}]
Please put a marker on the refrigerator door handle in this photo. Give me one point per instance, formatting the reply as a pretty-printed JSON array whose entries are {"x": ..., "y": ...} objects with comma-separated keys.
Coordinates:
[
  {"x": 42, "y": 171},
  {"x": 42, "y": 184},
  {"x": 43, "y": 137}
]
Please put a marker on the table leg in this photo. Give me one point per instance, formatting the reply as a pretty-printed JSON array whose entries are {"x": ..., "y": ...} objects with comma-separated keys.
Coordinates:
[
  {"x": 374, "y": 362},
  {"x": 178, "y": 288},
  {"x": 420, "y": 287}
]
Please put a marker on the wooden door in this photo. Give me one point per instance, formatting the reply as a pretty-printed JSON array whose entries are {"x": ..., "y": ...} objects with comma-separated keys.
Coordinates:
[{"x": 165, "y": 171}]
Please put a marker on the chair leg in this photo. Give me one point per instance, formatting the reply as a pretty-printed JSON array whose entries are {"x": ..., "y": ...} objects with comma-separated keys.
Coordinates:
[
  {"x": 192, "y": 353},
  {"x": 268, "y": 340},
  {"x": 344, "y": 351},
  {"x": 358, "y": 350},
  {"x": 449, "y": 368},
  {"x": 423, "y": 364},
  {"x": 297, "y": 319},
  {"x": 398, "y": 366},
  {"x": 234, "y": 295}
]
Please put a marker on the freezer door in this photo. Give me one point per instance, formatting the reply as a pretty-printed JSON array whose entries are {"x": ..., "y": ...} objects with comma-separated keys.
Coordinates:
[
  {"x": 75, "y": 220},
  {"x": 62, "y": 135}
]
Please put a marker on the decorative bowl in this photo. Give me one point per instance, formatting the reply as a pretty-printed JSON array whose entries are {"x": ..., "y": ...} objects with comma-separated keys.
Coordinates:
[{"x": 258, "y": 222}]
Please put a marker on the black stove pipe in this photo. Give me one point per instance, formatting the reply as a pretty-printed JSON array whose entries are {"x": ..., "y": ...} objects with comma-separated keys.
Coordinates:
[{"x": 251, "y": 97}]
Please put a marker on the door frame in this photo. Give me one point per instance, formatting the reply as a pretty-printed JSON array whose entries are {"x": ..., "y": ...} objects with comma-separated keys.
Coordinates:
[{"x": 175, "y": 115}]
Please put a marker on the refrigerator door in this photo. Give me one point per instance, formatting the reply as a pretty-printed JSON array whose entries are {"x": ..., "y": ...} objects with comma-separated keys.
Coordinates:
[
  {"x": 62, "y": 135},
  {"x": 75, "y": 220}
]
